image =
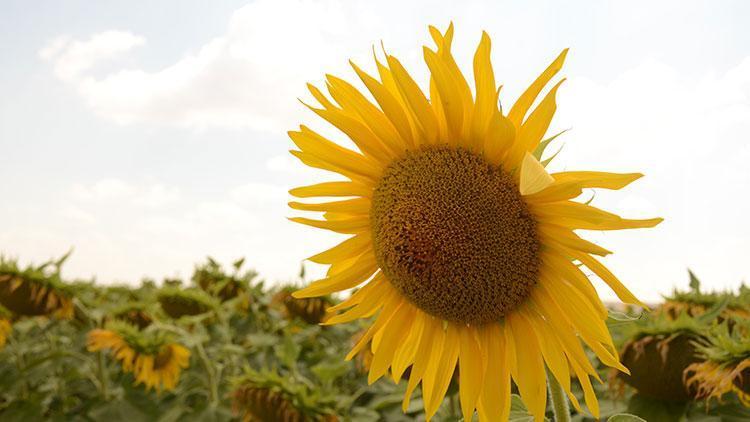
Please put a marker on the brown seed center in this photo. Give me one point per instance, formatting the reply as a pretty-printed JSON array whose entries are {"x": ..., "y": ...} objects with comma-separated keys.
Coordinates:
[{"x": 453, "y": 235}]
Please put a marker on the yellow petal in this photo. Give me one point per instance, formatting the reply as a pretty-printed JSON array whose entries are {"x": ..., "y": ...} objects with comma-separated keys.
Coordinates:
[
  {"x": 450, "y": 97},
  {"x": 390, "y": 309},
  {"x": 580, "y": 312},
  {"x": 598, "y": 179},
  {"x": 486, "y": 93},
  {"x": 443, "y": 373},
  {"x": 368, "y": 307},
  {"x": 395, "y": 332},
  {"x": 494, "y": 402},
  {"x": 389, "y": 104},
  {"x": 600, "y": 270},
  {"x": 534, "y": 177},
  {"x": 534, "y": 128},
  {"x": 354, "y": 246},
  {"x": 531, "y": 379},
  {"x": 415, "y": 99},
  {"x": 429, "y": 345},
  {"x": 332, "y": 189},
  {"x": 524, "y": 102},
  {"x": 372, "y": 288},
  {"x": 471, "y": 374},
  {"x": 559, "y": 266},
  {"x": 323, "y": 164},
  {"x": 349, "y": 97},
  {"x": 500, "y": 137},
  {"x": 581, "y": 216},
  {"x": 351, "y": 277},
  {"x": 354, "y": 206},
  {"x": 404, "y": 355},
  {"x": 360, "y": 134},
  {"x": 348, "y": 226},
  {"x": 569, "y": 239}
]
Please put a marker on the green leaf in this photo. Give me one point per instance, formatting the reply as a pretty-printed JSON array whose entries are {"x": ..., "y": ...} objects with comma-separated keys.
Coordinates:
[
  {"x": 327, "y": 372},
  {"x": 656, "y": 410},
  {"x": 288, "y": 352},
  {"x": 695, "y": 284},
  {"x": 518, "y": 410},
  {"x": 713, "y": 312}
]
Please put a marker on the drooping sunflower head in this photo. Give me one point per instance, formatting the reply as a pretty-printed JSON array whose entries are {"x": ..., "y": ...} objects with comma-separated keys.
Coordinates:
[
  {"x": 466, "y": 245},
  {"x": 726, "y": 365},
  {"x": 34, "y": 291},
  {"x": 696, "y": 302},
  {"x": 268, "y": 397},
  {"x": 135, "y": 313},
  {"x": 178, "y": 302},
  {"x": 151, "y": 356},
  {"x": 312, "y": 310},
  {"x": 211, "y": 278},
  {"x": 658, "y": 351}
]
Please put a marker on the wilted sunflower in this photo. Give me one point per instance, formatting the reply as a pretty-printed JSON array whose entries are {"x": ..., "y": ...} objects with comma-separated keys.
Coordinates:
[
  {"x": 268, "y": 397},
  {"x": 34, "y": 291},
  {"x": 727, "y": 363},
  {"x": 135, "y": 313},
  {"x": 658, "y": 350},
  {"x": 177, "y": 302},
  {"x": 311, "y": 310},
  {"x": 153, "y": 360},
  {"x": 695, "y": 302},
  {"x": 466, "y": 243}
]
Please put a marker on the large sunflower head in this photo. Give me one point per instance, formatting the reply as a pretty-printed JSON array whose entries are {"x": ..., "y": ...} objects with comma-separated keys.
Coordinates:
[
  {"x": 466, "y": 244},
  {"x": 34, "y": 291},
  {"x": 151, "y": 356}
]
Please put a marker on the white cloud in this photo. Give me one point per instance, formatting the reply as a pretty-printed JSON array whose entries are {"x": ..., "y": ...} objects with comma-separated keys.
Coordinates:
[
  {"x": 71, "y": 58},
  {"x": 123, "y": 231},
  {"x": 250, "y": 76}
]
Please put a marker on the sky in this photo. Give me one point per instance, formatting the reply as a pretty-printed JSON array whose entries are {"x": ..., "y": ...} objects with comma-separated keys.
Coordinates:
[{"x": 147, "y": 135}]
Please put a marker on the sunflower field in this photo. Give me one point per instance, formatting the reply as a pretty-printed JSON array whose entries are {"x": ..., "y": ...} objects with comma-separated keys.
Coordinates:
[{"x": 228, "y": 346}]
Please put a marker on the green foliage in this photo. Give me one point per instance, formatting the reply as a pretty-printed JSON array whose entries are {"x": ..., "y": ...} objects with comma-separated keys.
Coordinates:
[{"x": 247, "y": 340}]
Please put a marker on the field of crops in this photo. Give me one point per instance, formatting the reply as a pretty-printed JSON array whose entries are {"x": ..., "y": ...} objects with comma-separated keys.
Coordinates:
[{"x": 225, "y": 345}]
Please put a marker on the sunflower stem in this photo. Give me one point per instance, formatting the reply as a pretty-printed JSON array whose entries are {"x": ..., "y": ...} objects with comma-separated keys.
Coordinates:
[
  {"x": 103, "y": 376},
  {"x": 560, "y": 407},
  {"x": 213, "y": 388}
]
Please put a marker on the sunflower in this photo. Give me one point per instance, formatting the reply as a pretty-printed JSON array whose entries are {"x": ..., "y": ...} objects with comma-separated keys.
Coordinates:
[
  {"x": 153, "y": 360},
  {"x": 211, "y": 278},
  {"x": 136, "y": 313},
  {"x": 726, "y": 367},
  {"x": 312, "y": 310},
  {"x": 34, "y": 291},
  {"x": 696, "y": 302},
  {"x": 268, "y": 397},
  {"x": 178, "y": 302},
  {"x": 467, "y": 245}
]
